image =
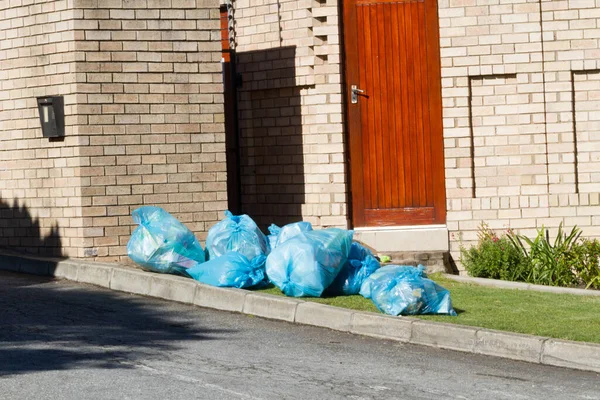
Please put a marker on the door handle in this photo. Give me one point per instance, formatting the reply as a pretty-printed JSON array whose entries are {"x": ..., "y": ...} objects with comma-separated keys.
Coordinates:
[{"x": 355, "y": 91}]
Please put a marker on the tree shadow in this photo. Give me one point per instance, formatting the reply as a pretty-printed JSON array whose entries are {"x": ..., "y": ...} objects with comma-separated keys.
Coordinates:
[
  {"x": 21, "y": 233},
  {"x": 46, "y": 325}
]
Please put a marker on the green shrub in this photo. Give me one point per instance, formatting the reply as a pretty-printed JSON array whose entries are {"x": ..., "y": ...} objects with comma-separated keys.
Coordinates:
[
  {"x": 588, "y": 263},
  {"x": 566, "y": 261},
  {"x": 552, "y": 264},
  {"x": 494, "y": 257}
]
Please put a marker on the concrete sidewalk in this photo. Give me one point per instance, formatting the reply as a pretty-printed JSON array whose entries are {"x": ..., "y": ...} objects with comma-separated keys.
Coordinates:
[{"x": 535, "y": 349}]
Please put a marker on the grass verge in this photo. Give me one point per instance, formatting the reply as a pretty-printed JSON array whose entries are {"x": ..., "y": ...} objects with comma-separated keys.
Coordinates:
[{"x": 560, "y": 316}]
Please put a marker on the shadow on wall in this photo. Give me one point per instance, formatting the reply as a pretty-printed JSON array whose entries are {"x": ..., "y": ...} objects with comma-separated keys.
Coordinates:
[
  {"x": 50, "y": 326},
  {"x": 270, "y": 136},
  {"x": 22, "y": 233}
]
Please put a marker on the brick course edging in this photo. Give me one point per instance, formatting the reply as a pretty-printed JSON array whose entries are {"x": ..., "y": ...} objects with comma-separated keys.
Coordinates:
[
  {"x": 499, "y": 284},
  {"x": 535, "y": 349}
]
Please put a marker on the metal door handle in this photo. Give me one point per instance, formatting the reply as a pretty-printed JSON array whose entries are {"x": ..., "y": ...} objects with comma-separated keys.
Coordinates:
[{"x": 355, "y": 92}]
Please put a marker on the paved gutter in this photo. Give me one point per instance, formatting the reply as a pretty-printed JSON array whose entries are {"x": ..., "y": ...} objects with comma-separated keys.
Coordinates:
[{"x": 535, "y": 349}]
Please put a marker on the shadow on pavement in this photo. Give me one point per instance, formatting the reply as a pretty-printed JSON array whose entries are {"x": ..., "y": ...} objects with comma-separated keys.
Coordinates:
[{"x": 50, "y": 325}]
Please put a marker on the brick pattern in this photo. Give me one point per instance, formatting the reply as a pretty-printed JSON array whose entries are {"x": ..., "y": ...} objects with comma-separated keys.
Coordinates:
[
  {"x": 39, "y": 179},
  {"x": 506, "y": 140},
  {"x": 151, "y": 104},
  {"x": 290, "y": 111},
  {"x": 509, "y": 73},
  {"x": 587, "y": 119},
  {"x": 571, "y": 34},
  {"x": 271, "y": 25},
  {"x": 143, "y": 88},
  {"x": 144, "y": 116}
]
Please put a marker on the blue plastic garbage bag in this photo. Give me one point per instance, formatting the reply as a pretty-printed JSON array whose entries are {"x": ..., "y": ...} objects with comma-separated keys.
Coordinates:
[
  {"x": 359, "y": 252},
  {"x": 360, "y": 265},
  {"x": 232, "y": 269},
  {"x": 406, "y": 290},
  {"x": 279, "y": 235},
  {"x": 272, "y": 239},
  {"x": 236, "y": 233},
  {"x": 163, "y": 244},
  {"x": 307, "y": 263}
]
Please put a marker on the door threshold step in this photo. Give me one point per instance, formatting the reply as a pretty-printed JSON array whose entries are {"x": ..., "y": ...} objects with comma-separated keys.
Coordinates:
[{"x": 426, "y": 238}]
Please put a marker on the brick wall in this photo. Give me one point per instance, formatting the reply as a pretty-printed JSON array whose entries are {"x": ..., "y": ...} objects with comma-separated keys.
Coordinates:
[
  {"x": 519, "y": 95},
  {"x": 151, "y": 105},
  {"x": 587, "y": 120},
  {"x": 290, "y": 111},
  {"x": 40, "y": 180},
  {"x": 143, "y": 95},
  {"x": 144, "y": 116},
  {"x": 519, "y": 91}
]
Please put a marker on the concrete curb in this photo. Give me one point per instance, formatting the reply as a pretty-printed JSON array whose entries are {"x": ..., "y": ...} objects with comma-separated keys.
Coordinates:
[
  {"x": 535, "y": 349},
  {"x": 495, "y": 283}
]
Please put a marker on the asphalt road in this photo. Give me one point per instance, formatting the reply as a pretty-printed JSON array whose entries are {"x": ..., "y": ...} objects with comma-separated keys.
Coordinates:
[{"x": 60, "y": 340}]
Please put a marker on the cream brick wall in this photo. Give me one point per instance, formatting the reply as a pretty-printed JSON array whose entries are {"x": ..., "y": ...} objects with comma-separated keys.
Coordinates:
[
  {"x": 144, "y": 113},
  {"x": 520, "y": 151},
  {"x": 40, "y": 180},
  {"x": 587, "y": 119},
  {"x": 151, "y": 105},
  {"x": 143, "y": 102},
  {"x": 290, "y": 111},
  {"x": 509, "y": 71}
]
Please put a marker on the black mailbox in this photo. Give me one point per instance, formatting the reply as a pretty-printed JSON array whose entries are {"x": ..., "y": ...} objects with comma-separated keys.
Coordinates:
[{"x": 52, "y": 115}]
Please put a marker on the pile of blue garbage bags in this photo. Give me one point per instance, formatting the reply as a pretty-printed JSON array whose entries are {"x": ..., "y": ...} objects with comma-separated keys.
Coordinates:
[{"x": 300, "y": 261}]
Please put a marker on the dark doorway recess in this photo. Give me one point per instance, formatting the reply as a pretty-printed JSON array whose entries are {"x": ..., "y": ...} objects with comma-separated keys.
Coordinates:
[
  {"x": 270, "y": 136},
  {"x": 231, "y": 128}
]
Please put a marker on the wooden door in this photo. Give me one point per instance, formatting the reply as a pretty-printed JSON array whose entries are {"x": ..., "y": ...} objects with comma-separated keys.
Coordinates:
[{"x": 395, "y": 126}]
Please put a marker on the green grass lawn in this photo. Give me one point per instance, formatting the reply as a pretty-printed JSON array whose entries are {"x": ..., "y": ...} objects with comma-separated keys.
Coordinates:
[{"x": 559, "y": 316}]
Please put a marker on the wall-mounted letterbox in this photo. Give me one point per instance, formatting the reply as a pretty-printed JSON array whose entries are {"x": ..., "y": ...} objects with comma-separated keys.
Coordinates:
[{"x": 52, "y": 116}]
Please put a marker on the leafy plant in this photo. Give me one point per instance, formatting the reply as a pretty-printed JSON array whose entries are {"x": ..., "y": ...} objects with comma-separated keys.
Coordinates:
[
  {"x": 550, "y": 263},
  {"x": 569, "y": 260},
  {"x": 588, "y": 263},
  {"x": 494, "y": 257}
]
